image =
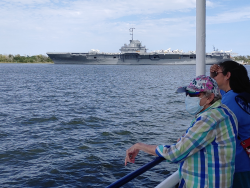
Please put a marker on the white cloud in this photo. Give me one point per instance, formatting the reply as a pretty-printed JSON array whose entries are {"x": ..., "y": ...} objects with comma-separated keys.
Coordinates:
[
  {"x": 99, "y": 9},
  {"x": 236, "y": 15},
  {"x": 87, "y": 12},
  {"x": 26, "y": 1}
]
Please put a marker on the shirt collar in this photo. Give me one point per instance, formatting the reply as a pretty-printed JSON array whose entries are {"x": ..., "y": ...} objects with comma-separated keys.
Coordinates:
[{"x": 214, "y": 105}]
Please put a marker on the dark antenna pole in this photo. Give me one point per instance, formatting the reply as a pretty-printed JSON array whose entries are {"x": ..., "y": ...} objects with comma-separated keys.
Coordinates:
[{"x": 131, "y": 30}]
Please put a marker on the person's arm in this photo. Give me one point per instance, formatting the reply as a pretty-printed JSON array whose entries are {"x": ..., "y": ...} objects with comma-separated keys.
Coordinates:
[
  {"x": 133, "y": 151},
  {"x": 198, "y": 136}
]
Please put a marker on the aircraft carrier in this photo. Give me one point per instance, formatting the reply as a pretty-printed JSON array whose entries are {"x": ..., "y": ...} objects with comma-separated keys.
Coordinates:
[{"x": 136, "y": 54}]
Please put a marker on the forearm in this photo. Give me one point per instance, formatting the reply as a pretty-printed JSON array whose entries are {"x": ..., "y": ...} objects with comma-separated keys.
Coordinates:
[{"x": 150, "y": 149}]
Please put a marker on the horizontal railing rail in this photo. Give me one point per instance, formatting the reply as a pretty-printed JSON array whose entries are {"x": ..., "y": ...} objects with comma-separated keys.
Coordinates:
[{"x": 136, "y": 173}]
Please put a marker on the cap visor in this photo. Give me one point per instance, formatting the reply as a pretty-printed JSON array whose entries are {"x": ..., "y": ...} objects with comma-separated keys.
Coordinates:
[{"x": 181, "y": 89}]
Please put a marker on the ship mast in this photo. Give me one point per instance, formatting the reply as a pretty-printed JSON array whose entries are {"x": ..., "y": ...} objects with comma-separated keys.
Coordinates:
[{"x": 131, "y": 30}]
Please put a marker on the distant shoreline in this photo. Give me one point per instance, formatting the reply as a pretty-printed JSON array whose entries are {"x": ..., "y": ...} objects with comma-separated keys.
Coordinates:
[
  {"x": 28, "y": 62},
  {"x": 24, "y": 59}
]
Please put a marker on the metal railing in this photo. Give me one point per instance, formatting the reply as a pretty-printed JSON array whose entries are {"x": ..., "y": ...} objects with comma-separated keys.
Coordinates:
[{"x": 136, "y": 173}]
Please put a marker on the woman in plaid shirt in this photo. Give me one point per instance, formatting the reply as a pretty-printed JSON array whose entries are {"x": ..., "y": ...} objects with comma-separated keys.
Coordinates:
[{"x": 206, "y": 152}]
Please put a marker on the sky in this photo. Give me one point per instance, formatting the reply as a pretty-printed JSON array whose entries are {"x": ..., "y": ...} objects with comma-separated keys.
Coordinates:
[{"x": 33, "y": 27}]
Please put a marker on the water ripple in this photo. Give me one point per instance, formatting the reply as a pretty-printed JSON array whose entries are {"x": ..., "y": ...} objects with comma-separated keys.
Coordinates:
[{"x": 69, "y": 126}]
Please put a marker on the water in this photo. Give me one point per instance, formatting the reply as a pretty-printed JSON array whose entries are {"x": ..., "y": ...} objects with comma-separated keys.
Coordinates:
[{"x": 70, "y": 125}]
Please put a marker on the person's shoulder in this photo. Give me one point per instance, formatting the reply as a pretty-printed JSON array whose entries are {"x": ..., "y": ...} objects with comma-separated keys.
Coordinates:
[
  {"x": 229, "y": 98},
  {"x": 220, "y": 115},
  {"x": 237, "y": 102},
  {"x": 218, "y": 111},
  {"x": 209, "y": 119}
]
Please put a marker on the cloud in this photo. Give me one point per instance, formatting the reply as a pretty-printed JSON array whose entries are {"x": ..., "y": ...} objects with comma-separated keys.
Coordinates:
[
  {"x": 59, "y": 18},
  {"x": 25, "y": 2},
  {"x": 231, "y": 16},
  {"x": 98, "y": 9},
  {"x": 89, "y": 12}
]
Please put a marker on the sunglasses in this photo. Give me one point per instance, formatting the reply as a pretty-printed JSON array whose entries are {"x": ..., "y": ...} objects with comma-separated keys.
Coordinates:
[
  {"x": 214, "y": 74},
  {"x": 193, "y": 94}
]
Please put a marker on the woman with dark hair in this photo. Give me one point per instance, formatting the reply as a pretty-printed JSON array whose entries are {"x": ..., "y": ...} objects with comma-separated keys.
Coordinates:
[{"x": 232, "y": 78}]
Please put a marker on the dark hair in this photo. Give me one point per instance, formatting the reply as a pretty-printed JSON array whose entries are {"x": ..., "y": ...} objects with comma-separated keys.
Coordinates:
[{"x": 239, "y": 80}]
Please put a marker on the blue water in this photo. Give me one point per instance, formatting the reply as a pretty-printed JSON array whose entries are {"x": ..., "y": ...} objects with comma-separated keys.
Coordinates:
[{"x": 70, "y": 125}]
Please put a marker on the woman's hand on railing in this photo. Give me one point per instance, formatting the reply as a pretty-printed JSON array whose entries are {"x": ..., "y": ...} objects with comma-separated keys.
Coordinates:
[{"x": 133, "y": 151}]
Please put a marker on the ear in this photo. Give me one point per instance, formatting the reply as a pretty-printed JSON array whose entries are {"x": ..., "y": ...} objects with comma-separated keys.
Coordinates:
[
  {"x": 210, "y": 98},
  {"x": 228, "y": 75}
]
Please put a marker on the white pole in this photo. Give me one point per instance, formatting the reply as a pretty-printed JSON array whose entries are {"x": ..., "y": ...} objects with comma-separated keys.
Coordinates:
[{"x": 200, "y": 37}]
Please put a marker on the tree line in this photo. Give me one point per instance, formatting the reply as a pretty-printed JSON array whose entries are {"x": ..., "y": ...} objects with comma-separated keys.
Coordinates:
[
  {"x": 25, "y": 59},
  {"x": 245, "y": 59}
]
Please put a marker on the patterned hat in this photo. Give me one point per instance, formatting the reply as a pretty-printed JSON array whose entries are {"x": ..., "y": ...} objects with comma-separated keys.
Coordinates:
[{"x": 201, "y": 83}]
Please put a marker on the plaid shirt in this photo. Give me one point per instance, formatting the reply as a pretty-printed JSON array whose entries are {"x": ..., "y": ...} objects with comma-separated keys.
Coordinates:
[{"x": 206, "y": 152}]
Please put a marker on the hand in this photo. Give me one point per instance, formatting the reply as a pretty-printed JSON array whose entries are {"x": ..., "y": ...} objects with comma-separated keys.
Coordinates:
[
  {"x": 131, "y": 153},
  {"x": 214, "y": 68}
]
